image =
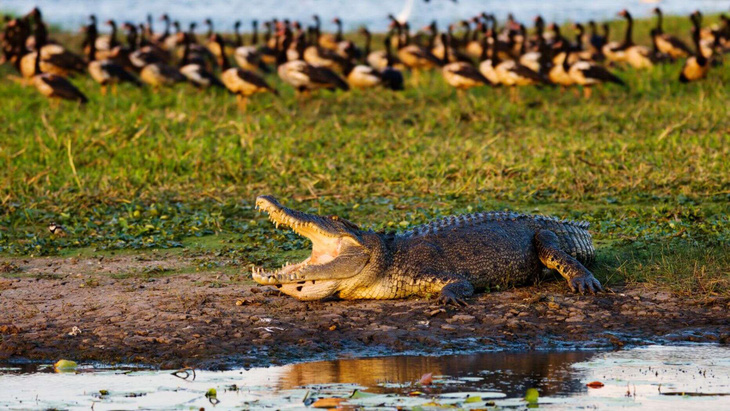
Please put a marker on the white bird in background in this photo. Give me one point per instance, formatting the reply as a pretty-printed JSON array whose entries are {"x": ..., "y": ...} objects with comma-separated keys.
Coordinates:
[{"x": 405, "y": 13}]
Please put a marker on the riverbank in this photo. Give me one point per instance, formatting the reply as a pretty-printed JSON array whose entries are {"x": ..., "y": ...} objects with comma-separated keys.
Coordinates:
[{"x": 83, "y": 309}]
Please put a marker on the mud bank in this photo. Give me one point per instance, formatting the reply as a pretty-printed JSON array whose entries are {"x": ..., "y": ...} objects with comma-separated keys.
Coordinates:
[{"x": 210, "y": 320}]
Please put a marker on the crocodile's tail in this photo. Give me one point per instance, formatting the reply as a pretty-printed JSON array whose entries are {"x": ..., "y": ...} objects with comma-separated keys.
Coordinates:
[{"x": 575, "y": 239}]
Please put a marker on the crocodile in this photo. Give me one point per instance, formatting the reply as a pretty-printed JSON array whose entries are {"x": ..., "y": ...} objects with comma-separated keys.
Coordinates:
[{"x": 450, "y": 258}]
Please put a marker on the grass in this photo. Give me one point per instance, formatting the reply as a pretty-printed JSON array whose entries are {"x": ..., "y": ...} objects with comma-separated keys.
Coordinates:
[{"x": 179, "y": 169}]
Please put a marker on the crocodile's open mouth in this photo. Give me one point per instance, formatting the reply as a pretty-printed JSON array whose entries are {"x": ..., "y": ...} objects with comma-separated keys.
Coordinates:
[{"x": 328, "y": 239}]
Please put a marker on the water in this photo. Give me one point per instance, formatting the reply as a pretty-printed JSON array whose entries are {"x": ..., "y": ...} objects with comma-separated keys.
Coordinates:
[
  {"x": 648, "y": 377},
  {"x": 71, "y": 14}
]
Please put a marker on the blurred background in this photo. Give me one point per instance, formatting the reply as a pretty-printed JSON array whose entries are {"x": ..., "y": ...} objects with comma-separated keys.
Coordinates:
[{"x": 372, "y": 13}]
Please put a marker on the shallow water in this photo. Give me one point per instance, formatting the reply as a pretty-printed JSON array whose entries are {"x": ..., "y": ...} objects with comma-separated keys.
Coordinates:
[
  {"x": 649, "y": 377},
  {"x": 71, "y": 14}
]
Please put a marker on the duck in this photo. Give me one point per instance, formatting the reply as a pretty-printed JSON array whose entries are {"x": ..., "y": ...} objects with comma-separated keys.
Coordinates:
[
  {"x": 55, "y": 59},
  {"x": 161, "y": 39},
  {"x": 345, "y": 48},
  {"x": 318, "y": 55},
  {"x": 558, "y": 73},
  {"x": 392, "y": 76},
  {"x": 459, "y": 74},
  {"x": 486, "y": 64},
  {"x": 241, "y": 82},
  {"x": 597, "y": 41},
  {"x": 303, "y": 76},
  {"x": 588, "y": 74},
  {"x": 473, "y": 47},
  {"x": 510, "y": 72},
  {"x": 668, "y": 44},
  {"x": 106, "y": 71},
  {"x": 696, "y": 66},
  {"x": 579, "y": 50},
  {"x": 195, "y": 71},
  {"x": 637, "y": 56},
  {"x": 415, "y": 57},
  {"x": 248, "y": 57},
  {"x": 325, "y": 40},
  {"x": 612, "y": 50},
  {"x": 268, "y": 52},
  {"x": 378, "y": 59},
  {"x": 53, "y": 85},
  {"x": 146, "y": 54}
]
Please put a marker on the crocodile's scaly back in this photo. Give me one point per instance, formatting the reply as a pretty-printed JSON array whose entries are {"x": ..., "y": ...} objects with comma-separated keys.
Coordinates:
[{"x": 574, "y": 236}]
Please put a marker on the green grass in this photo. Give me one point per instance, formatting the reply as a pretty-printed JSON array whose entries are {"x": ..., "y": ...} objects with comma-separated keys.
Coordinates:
[{"x": 647, "y": 166}]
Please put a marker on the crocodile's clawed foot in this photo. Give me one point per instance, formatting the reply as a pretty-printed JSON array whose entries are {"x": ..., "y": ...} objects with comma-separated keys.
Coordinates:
[
  {"x": 449, "y": 298},
  {"x": 585, "y": 283}
]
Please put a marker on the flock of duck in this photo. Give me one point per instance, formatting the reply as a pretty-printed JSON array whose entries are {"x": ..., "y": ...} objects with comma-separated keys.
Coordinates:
[{"x": 473, "y": 53}]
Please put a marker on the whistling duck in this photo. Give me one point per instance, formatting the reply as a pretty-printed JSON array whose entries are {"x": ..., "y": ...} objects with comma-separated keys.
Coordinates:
[
  {"x": 52, "y": 85},
  {"x": 268, "y": 52},
  {"x": 510, "y": 72},
  {"x": 486, "y": 65},
  {"x": 637, "y": 56},
  {"x": 587, "y": 74},
  {"x": 460, "y": 75},
  {"x": 215, "y": 49},
  {"x": 709, "y": 38},
  {"x": 667, "y": 44},
  {"x": 612, "y": 50},
  {"x": 170, "y": 41},
  {"x": 145, "y": 55},
  {"x": 579, "y": 50},
  {"x": 326, "y": 40},
  {"x": 345, "y": 48},
  {"x": 596, "y": 41},
  {"x": 195, "y": 72},
  {"x": 391, "y": 76},
  {"x": 416, "y": 58},
  {"x": 108, "y": 47},
  {"x": 361, "y": 76},
  {"x": 305, "y": 77},
  {"x": 161, "y": 39},
  {"x": 55, "y": 59},
  {"x": 247, "y": 57},
  {"x": 320, "y": 56},
  {"x": 154, "y": 71},
  {"x": 377, "y": 59},
  {"x": 697, "y": 65},
  {"x": 241, "y": 82},
  {"x": 559, "y": 72},
  {"x": 473, "y": 46},
  {"x": 105, "y": 71}
]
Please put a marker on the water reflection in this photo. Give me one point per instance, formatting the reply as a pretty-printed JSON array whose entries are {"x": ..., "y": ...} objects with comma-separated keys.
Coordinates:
[
  {"x": 510, "y": 373},
  {"x": 655, "y": 377}
]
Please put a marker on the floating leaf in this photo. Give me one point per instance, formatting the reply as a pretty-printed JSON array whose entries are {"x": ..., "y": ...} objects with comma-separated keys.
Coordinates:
[
  {"x": 65, "y": 366},
  {"x": 360, "y": 394},
  {"x": 327, "y": 402},
  {"x": 532, "y": 395},
  {"x": 595, "y": 384}
]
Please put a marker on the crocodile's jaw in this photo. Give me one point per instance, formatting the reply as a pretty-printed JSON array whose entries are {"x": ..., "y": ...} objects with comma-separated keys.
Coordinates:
[{"x": 337, "y": 253}]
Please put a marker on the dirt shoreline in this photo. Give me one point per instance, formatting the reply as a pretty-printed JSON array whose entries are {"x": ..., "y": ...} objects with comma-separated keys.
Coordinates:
[{"x": 211, "y": 320}]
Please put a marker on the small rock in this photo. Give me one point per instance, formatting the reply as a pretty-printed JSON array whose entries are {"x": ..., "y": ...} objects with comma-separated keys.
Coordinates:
[{"x": 460, "y": 318}]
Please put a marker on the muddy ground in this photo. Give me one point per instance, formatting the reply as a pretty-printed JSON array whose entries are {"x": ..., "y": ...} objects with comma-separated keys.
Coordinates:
[{"x": 94, "y": 310}]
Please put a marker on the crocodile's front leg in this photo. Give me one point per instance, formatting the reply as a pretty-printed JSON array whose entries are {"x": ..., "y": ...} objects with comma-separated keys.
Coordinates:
[
  {"x": 578, "y": 277},
  {"x": 451, "y": 288}
]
